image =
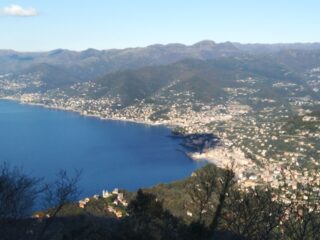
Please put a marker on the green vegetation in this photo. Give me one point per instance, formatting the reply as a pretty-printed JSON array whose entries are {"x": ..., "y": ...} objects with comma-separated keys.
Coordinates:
[{"x": 207, "y": 205}]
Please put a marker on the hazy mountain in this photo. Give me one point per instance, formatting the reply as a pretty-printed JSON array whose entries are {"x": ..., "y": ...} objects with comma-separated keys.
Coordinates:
[
  {"x": 206, "y": 79},
  {"x": 204, "y": 68},
  {"x": 100, "y": 62},
  {"x": 49, "y": 76},
  {"x": 91, "y": 63},
  {"x": 256, "y": 48}
]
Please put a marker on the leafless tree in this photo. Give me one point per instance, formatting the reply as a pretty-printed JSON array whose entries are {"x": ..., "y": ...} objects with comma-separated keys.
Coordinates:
[
  {"x": 18, "y": 193},
  {"x": 303, "y": 216},
  {"x": 302, "y": 220},
  {"x": 253, "y": 213},
  {"x": 63, "y": 191}
]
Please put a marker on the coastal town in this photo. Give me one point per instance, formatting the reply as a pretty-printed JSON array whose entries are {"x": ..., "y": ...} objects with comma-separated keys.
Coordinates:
[{"x": 265, "y": 140}]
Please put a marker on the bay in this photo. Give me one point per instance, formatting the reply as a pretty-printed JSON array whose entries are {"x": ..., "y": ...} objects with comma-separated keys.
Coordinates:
[{"x": 110, "y": 154}]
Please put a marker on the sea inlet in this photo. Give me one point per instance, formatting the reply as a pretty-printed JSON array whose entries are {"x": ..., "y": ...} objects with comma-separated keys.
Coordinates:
[{"x": 110, "y": 154}]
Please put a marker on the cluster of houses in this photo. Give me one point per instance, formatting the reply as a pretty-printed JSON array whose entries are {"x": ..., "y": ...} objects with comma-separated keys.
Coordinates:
[{"x": 118, "y": 200}]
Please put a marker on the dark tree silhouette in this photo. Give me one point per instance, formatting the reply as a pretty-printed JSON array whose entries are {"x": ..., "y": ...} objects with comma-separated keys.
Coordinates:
[
  {"x": 18, "y": 193},
  {"x": 63, "y": 191},
  {"x": 226, "y": 182},
  {"x": 253, "y": 214},
  {"x": 149, "y": 220},
  {"x": 201, "y": 188},
  {"x": 303, "y": 215}
]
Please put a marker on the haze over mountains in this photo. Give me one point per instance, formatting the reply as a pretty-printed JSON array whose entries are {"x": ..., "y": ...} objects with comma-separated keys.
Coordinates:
[
  {"x": 138, "y": 73},
  {"x": 93, "y": 63}
]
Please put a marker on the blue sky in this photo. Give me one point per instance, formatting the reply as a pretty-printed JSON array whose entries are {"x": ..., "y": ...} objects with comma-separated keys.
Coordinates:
[{"x": 105, "y": 24}]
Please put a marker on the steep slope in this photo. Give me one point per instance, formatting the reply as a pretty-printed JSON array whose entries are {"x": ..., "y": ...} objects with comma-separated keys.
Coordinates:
[
  {"x": 48, "y": 77},
  {"x": 204, "y": 79}
]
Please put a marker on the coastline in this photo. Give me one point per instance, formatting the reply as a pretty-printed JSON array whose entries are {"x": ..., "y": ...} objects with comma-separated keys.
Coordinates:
[
  {"x": 188, "y": 153},
  {"x": 215, "y": 153},
  {"x": 85, "y": 114},
  {"x": 138, "y": 149}
]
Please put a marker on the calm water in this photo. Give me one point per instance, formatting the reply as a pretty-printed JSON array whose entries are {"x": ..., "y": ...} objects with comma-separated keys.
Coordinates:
[{"x": 110, "y": 153}]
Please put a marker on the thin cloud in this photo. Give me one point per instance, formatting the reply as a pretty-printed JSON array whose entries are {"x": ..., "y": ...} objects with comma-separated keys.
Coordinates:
[{"x": 16, "y": 10}]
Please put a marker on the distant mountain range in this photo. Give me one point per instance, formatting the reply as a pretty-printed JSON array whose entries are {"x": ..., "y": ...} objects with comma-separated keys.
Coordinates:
[
  {"x": 136, "y": 74},
  {"x": 93, "y": 63}
]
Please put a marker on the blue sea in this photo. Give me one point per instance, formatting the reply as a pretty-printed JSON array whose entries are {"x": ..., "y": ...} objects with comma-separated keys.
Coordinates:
[{"x": 110, "y": 154}]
